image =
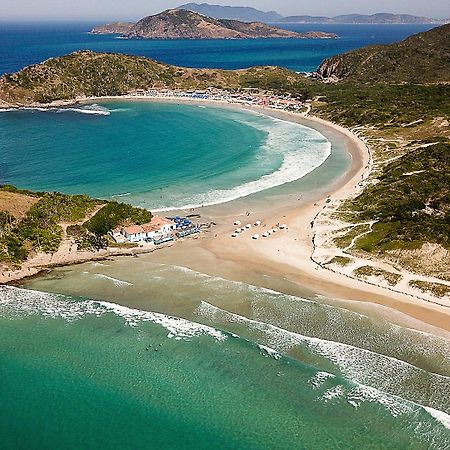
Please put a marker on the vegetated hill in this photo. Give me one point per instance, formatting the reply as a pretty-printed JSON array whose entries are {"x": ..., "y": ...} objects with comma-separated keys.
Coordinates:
[
  {"x": 421, "y": 58},
  {"x": 379, "y": 18},
  {"x": 38, "y": 226},
  {"x": 113, "y": 28},
  {"x": 183, "y": 24},
  {"x": 242, "y": 13},
  {"x": 87, "y": 74}
]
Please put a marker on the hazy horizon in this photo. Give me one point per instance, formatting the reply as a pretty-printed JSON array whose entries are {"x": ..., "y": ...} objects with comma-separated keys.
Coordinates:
[{"x": 103, "y": 10}]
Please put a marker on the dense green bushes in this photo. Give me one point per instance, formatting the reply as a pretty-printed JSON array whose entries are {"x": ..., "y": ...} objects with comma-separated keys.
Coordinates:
[
  {"x": 86, "y": 240},
  {"x": 114, "y": 214},
  {"x": 39, "y": 229}
]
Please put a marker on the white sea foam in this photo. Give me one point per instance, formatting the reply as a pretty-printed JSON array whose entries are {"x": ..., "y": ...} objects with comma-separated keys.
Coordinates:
[
  {"x": 301, "y": 149},
  {"x": 270, "y": 352},
  {"x": 364, "y": 367},
  {"x": 88, "y": 109},
  {"x": 319, "y": 378},
  {"x": 18, "y": 303},
  {"x": 439, "y": 416},
  {"x": 334, "y": 392},
  {"x": 115, "y": 281}
]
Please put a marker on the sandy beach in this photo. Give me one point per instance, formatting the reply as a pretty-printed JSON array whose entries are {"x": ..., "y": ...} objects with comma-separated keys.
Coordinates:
[{"x": 286, "y": 256}]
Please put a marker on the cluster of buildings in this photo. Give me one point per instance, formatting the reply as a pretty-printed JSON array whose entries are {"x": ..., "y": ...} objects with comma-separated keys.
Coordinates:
[
  {"x": 244, "y": 96},
  {"x": 158, "y": 230}
]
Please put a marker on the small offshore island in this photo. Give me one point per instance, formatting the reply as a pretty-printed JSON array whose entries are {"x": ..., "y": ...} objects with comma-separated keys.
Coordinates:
[
  {"x": 184, "y": 24},
  {"x": 310, "y": 310}
]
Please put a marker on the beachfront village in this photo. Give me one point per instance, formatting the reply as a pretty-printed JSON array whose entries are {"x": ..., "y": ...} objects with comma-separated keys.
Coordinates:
[
  {"x": 162, "y": 230},
  {"x": 244, "y": 96}
]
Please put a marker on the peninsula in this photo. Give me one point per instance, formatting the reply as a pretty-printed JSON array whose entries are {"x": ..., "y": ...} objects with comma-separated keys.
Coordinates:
[
  {"x": 183, "y": 24},
  {"x": 391, "y": 232}
]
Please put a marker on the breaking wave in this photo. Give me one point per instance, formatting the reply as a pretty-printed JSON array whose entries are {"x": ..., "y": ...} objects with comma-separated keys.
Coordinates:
[
  {"x": 300, "y": 150},
  {"x": 365, "y": 367},
  {"x": 93, "y": 109},
  {"x": 19, "y": 303}
]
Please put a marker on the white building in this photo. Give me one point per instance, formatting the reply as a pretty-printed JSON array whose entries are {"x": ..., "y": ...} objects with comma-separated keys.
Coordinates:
[{"x": 155, "y": 229}]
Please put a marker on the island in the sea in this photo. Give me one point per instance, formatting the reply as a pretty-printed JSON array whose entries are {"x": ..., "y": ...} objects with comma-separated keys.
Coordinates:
[
  {"x": 183, "y": 24},
  {"x": 247, "y": 14}
]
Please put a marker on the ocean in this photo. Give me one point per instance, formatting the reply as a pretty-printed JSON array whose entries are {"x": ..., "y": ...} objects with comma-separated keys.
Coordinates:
[
  {"x": 23, "y": 44},
  {"x": 78, "y": 373},
  {"x": 155, "y": 155},
  {"x": 133, "y": 353}
]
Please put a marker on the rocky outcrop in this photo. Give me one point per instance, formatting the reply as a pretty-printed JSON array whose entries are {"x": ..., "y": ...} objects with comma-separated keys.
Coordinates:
[{"x": 113, "y": 28}]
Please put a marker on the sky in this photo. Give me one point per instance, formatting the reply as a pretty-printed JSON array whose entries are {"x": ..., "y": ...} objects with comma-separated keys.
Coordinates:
[{"x": 101, "y": 10}]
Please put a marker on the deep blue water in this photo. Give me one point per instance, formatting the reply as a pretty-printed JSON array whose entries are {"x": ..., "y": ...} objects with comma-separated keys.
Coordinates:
[{"x": 24, "y": 44}]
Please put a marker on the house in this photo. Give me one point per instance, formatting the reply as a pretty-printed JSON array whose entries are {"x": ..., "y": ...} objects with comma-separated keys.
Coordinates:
[{"x": 156, "y": 228}]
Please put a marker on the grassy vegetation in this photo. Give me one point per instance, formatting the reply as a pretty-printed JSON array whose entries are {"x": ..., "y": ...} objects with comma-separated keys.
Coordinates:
[
  {"x": 384, "y": 106},
  {"x": 411, "y": 201},
  {"x": 40, "y": 230},
  {"x": 369, "y": 271},
  {"x": 341, "y": 261},
  {"x": 437, "y": 289},
  {"x": 345, "y": 240},
  {"x": 421, "y": 58}
]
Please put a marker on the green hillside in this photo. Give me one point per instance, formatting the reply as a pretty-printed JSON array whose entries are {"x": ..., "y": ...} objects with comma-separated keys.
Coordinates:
[{"x": 421, "y": 58}]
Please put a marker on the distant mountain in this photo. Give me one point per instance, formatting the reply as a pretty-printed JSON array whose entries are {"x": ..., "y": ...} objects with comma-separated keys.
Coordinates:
[
  {"x": 113, "y": 28},
  {"x": 183, "y": 24},
  {"x": 242, "y": 13},
  {"x": 421, "y": 58},
  {"x": 380, "y": 18}
]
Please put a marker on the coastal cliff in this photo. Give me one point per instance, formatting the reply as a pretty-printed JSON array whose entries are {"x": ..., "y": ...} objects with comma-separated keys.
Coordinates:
[
  {"x": 183, "y": 24},
  {"x": 421, "y": 58}
]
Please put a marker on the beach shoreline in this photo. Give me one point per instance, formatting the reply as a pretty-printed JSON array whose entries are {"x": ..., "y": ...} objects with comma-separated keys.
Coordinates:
[{"x": 285, "y": 256}]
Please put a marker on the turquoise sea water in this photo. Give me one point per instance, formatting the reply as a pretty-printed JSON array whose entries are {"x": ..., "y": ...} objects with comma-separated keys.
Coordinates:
[
  {"x": 155, "y": 155},
  {"x": 76, "y": 373}
]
